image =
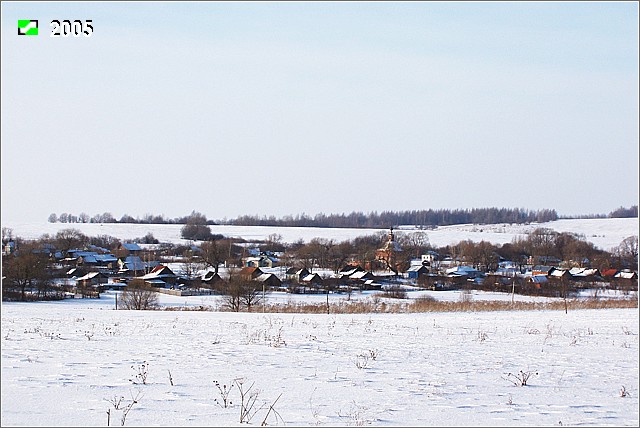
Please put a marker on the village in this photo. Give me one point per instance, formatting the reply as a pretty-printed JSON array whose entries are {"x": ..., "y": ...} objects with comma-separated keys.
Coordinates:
[{"x": 87, "y": 270}]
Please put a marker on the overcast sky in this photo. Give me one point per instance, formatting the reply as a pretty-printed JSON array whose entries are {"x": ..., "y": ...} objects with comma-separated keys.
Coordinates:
[{"x": 278, "y": 108}]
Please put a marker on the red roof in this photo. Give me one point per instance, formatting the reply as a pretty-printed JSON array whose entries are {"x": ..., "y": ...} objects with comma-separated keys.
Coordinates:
[
  {"x": 250, "y": 272},
  {"x": 609, "y": 272}
]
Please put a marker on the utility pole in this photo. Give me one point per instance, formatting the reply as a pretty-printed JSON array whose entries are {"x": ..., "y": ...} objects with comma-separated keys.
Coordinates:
[{"x": 564, "y": 290}]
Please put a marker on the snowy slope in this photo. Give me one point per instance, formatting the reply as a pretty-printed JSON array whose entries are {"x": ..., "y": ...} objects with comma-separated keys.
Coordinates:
[{"x": 604, "y": 233}]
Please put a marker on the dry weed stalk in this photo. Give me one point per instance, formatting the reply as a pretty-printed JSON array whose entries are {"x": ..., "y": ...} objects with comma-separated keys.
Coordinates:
[{"x": 521, "y": 378}]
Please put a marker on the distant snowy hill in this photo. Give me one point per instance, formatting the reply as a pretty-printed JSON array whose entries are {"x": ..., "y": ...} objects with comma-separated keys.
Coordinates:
[{"x": 603, "y": 233}]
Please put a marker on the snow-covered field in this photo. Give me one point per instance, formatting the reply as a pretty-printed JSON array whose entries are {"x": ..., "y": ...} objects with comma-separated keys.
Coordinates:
[
  {"x": 68, "y": 363},
  {"x": 603, "y": 233}
]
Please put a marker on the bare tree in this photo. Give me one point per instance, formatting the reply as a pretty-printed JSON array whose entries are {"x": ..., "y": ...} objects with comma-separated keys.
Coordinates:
[
  {"x": 307, "y": 256},
  {"x": 240, "y": 293},
  {"x": 214, "y": 253},
  {"x": 139, "y": 296},
  {"x": 274, "y": 243},
  {"x": 339, "y": 255},
  {"x": 627, "y": 251},
  {"x": 414, "y": 242},
  {"x": 542, "y": 242},
  {"x": 191, "y": 264},
  {"x": 67, "y": 239},
  {"x": 26, "y": 269}
]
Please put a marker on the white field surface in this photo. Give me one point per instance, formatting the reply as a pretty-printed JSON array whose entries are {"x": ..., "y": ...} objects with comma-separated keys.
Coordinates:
[
  {"x": 63, "y": 361},
  {"x": 603, "y": 233}
]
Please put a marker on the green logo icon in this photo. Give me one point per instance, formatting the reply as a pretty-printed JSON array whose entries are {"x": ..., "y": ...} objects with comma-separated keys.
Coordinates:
[{"x": 27, "y": 27}]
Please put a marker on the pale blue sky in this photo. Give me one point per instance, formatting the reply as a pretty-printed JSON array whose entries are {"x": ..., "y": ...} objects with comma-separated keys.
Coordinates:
[{"x": 284, "y": 108}]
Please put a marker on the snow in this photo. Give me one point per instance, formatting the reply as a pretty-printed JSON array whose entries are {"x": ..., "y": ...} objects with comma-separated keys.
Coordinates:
[
  {"x": 604, "y": 233},
  {"x": 62, "y": 362}
]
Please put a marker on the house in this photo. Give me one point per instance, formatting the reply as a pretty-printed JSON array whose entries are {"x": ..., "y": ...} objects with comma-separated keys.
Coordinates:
[
  {"x": 626, "y": 275},
  {"x": 295, "y": 275},
  {"x": 250, "y": 273},
  {"x": 255, "y": 252},
  {"x": 130, "y": 249},
  {"x": 95, "y": 280},
  {"x": 210, "y": 277},
  {"x": 370, "y": 284},
  {"x": 559, "y": 274},
  {"x": 76, "y": 272},
  {"x": 269, "y": 280},
  {"x": 108, "y": 261},
  {"x": 133, "y": 265},
  {"x": 312, "y": 279},
  {"x": 92, "y": 258},
  {"x": 349, "y": 270},
  {"x": 541, "y": 270},
  {"x": 417, "y": 271},
  {"x": 98, "y": 249},
  {"x": 261, "y": 261},
  {"x": 84, "y": 257},
  {"x": 160, "y": 276},
  {"x": 585, "y": 273},
  {"x": 538, "y": 280},
  {"x": 509, "y": 271},
  {"x": 463, "y": 271},
  {"x": 361, "y": 275},
  {"x": 429, "y": 258}
]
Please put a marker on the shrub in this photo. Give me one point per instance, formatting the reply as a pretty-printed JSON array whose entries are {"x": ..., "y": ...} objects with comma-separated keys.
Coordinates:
[
  {"x": 139, "y": 296},
  {"x": 395, "y": 292}
]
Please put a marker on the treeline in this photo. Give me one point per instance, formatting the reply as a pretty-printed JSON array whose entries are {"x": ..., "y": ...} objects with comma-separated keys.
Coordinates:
[
  {"x": 126, "y": 218},
  {"x": 373, "y": 220},
  {"x": 623, "y": 212},
  {"x": 385, "y": 219}
]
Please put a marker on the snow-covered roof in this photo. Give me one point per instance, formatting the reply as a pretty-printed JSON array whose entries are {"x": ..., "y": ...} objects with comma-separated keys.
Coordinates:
[
  {"x": 106, "y": 258},
  {"x": 626, "y": 275},
  {"x": 311, "y": 277},
  {"x": 351, "y": 271},
  {"x": 90, "y": 275},
  {"x": 208, "y": 275},
  {"x": 558, "y": 272},
  {"x": 539, "y": 279},
  {"x": 265, "y": 276},
  {"x": 360, "y": 274},
  {"x": 582, "y": 272},
  {"x": 461, "y": 270},
  {"x": 159, "y": 271}
]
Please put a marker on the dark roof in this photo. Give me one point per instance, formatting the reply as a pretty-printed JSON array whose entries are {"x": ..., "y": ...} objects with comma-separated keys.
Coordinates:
[{"x": 542, "y": 268}]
